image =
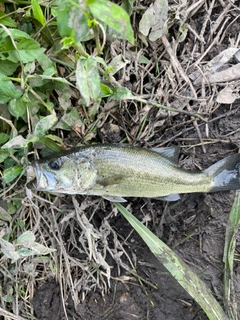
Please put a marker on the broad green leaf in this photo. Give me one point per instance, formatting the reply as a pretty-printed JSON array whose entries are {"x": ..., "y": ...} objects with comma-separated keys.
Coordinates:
[
  {"x": 8, "y": 250},
  {"x": 72, "y": 21},
  {"x": 4, "y": 154},
  {"x": 154, "y": 19},
  {"x": 37, "y": 12},
  {"x": 113, "y": 16},
  {"x": 88, "y": 80},
  {"x": 16, "y": 142},
  {"x": 4, "y": 215},
  {"x": 27, "y": 49},
  {"x": 40, "y": 249},
  {"x": 17, "y": 107},
  {"x": 7, "y": 67},
  {"x": 26, "y": 239},
  {"x": 116, "y": 64},
  {"x": 7, "y": 21},
  {"x": 105, "y": 91},
  {"x": 64, "y": 97},
  {"x": 127, "y": 5},
  {"x": 25, "y": 252},
  {"x": 37, "y": 248},
  {"x": 47, "y": 65},
  {"x": 70, "y": 120},
  {"x": 120, "y": 93},
  {"x": 11, "y": 173},
  {"x": 3, "y": 137},
  {"x": 44, "y": 125},
  {"x": 7, "y": 90}
]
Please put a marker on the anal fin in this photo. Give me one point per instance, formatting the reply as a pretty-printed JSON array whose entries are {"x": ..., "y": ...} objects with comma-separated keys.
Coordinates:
[
  {"x": 114, "y": 199},
  {"x": 170, "y": 197}
]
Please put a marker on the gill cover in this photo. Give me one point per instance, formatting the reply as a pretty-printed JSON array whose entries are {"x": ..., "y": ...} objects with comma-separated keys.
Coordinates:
[{"x": 65, "y": 175}]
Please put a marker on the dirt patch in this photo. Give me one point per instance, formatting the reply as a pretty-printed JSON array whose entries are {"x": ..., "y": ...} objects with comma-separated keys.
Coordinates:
[{"x": 127, "y": 301}]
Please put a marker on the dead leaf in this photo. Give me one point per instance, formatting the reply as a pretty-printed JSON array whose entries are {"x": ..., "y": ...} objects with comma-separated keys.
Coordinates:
[
  {"x": 227, "y": 95},
  {"x": 222, "y": 58},
  {"x": 154, "y": 19},
  {"x": 229, "y": 74}
]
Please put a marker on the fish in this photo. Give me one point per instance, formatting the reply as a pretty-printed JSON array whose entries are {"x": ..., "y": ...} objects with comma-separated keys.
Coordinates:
[{"x": 116, "y": 171}]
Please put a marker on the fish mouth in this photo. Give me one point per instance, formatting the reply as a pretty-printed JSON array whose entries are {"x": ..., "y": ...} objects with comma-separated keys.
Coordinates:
[
  {"x": 40, "y": 179},
  {"x": 35, "y": 178},
  {"x": 31, "y": 177}
]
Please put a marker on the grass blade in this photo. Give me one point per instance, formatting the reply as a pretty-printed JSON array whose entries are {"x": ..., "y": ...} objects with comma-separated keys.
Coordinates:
[
  {"x": 228, "y": 258},
  {"x": 179, "y": 270}
]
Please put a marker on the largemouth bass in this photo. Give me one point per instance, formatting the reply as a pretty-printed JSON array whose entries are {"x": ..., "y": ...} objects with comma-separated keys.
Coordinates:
[{"x": 118, "y": 171}]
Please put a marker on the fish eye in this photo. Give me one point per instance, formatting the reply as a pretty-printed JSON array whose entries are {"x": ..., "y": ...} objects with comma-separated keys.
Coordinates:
[{"x": 54, "y": 165}]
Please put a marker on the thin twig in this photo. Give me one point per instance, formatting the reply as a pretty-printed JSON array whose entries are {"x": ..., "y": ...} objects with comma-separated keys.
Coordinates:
[
  {"x": 10, "y": 315},
  {"x": 177, "y": 64}
]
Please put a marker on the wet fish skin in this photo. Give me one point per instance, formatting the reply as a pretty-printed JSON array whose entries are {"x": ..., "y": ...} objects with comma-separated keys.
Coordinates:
[{"x": 117, "y": 171}]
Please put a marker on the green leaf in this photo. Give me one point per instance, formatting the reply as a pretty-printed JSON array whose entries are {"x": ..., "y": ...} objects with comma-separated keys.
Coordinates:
[
  {"x": 7, "y": 90},
  {"x": 16, "y": 142},
  {"x": 105, "y": 91},
  {"x": 47, "y": 65},
  {"x": 112, "y": 15},
  {"x": 72, "y": 118},
  {"x": 4, "y": 154},
  {"x": 120, "y": 93},
  {"x": 8, "y": 250},
  {"x": 44, "y": 125},
  {"x": 17, "y": 107},
  {"x": 7, "y": 67},
  {"x": 64, "y": 97},
  {"x": 7, "y": 21},
  {"x": 3, "y": 137},
  {"x": 37, "y": 12},
  {"x": 26, "y": 239},
  {"x": 231, "y": 237},
  {"x": 4, "y": 215},
  {"x": 72, "y": 21},
  {"x": 116, "y": 64},
  {"x": 88, "y": 80},
  {"x": 28, "y": 50},
  {"x": 11, "y": 173}
]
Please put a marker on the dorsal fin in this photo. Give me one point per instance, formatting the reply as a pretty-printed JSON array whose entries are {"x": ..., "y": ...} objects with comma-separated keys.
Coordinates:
[{"x": 171, "y": 153}]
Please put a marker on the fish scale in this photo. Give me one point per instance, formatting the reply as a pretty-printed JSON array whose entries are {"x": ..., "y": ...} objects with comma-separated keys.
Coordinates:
[{"x": 147, "y": 178}]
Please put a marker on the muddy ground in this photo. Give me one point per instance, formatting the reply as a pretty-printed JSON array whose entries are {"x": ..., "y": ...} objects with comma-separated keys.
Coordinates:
[{"x": 193, "y": 226}]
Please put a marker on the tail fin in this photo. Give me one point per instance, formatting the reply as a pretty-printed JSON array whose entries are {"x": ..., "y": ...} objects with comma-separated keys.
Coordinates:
[{"x": 225, "y": 174}]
